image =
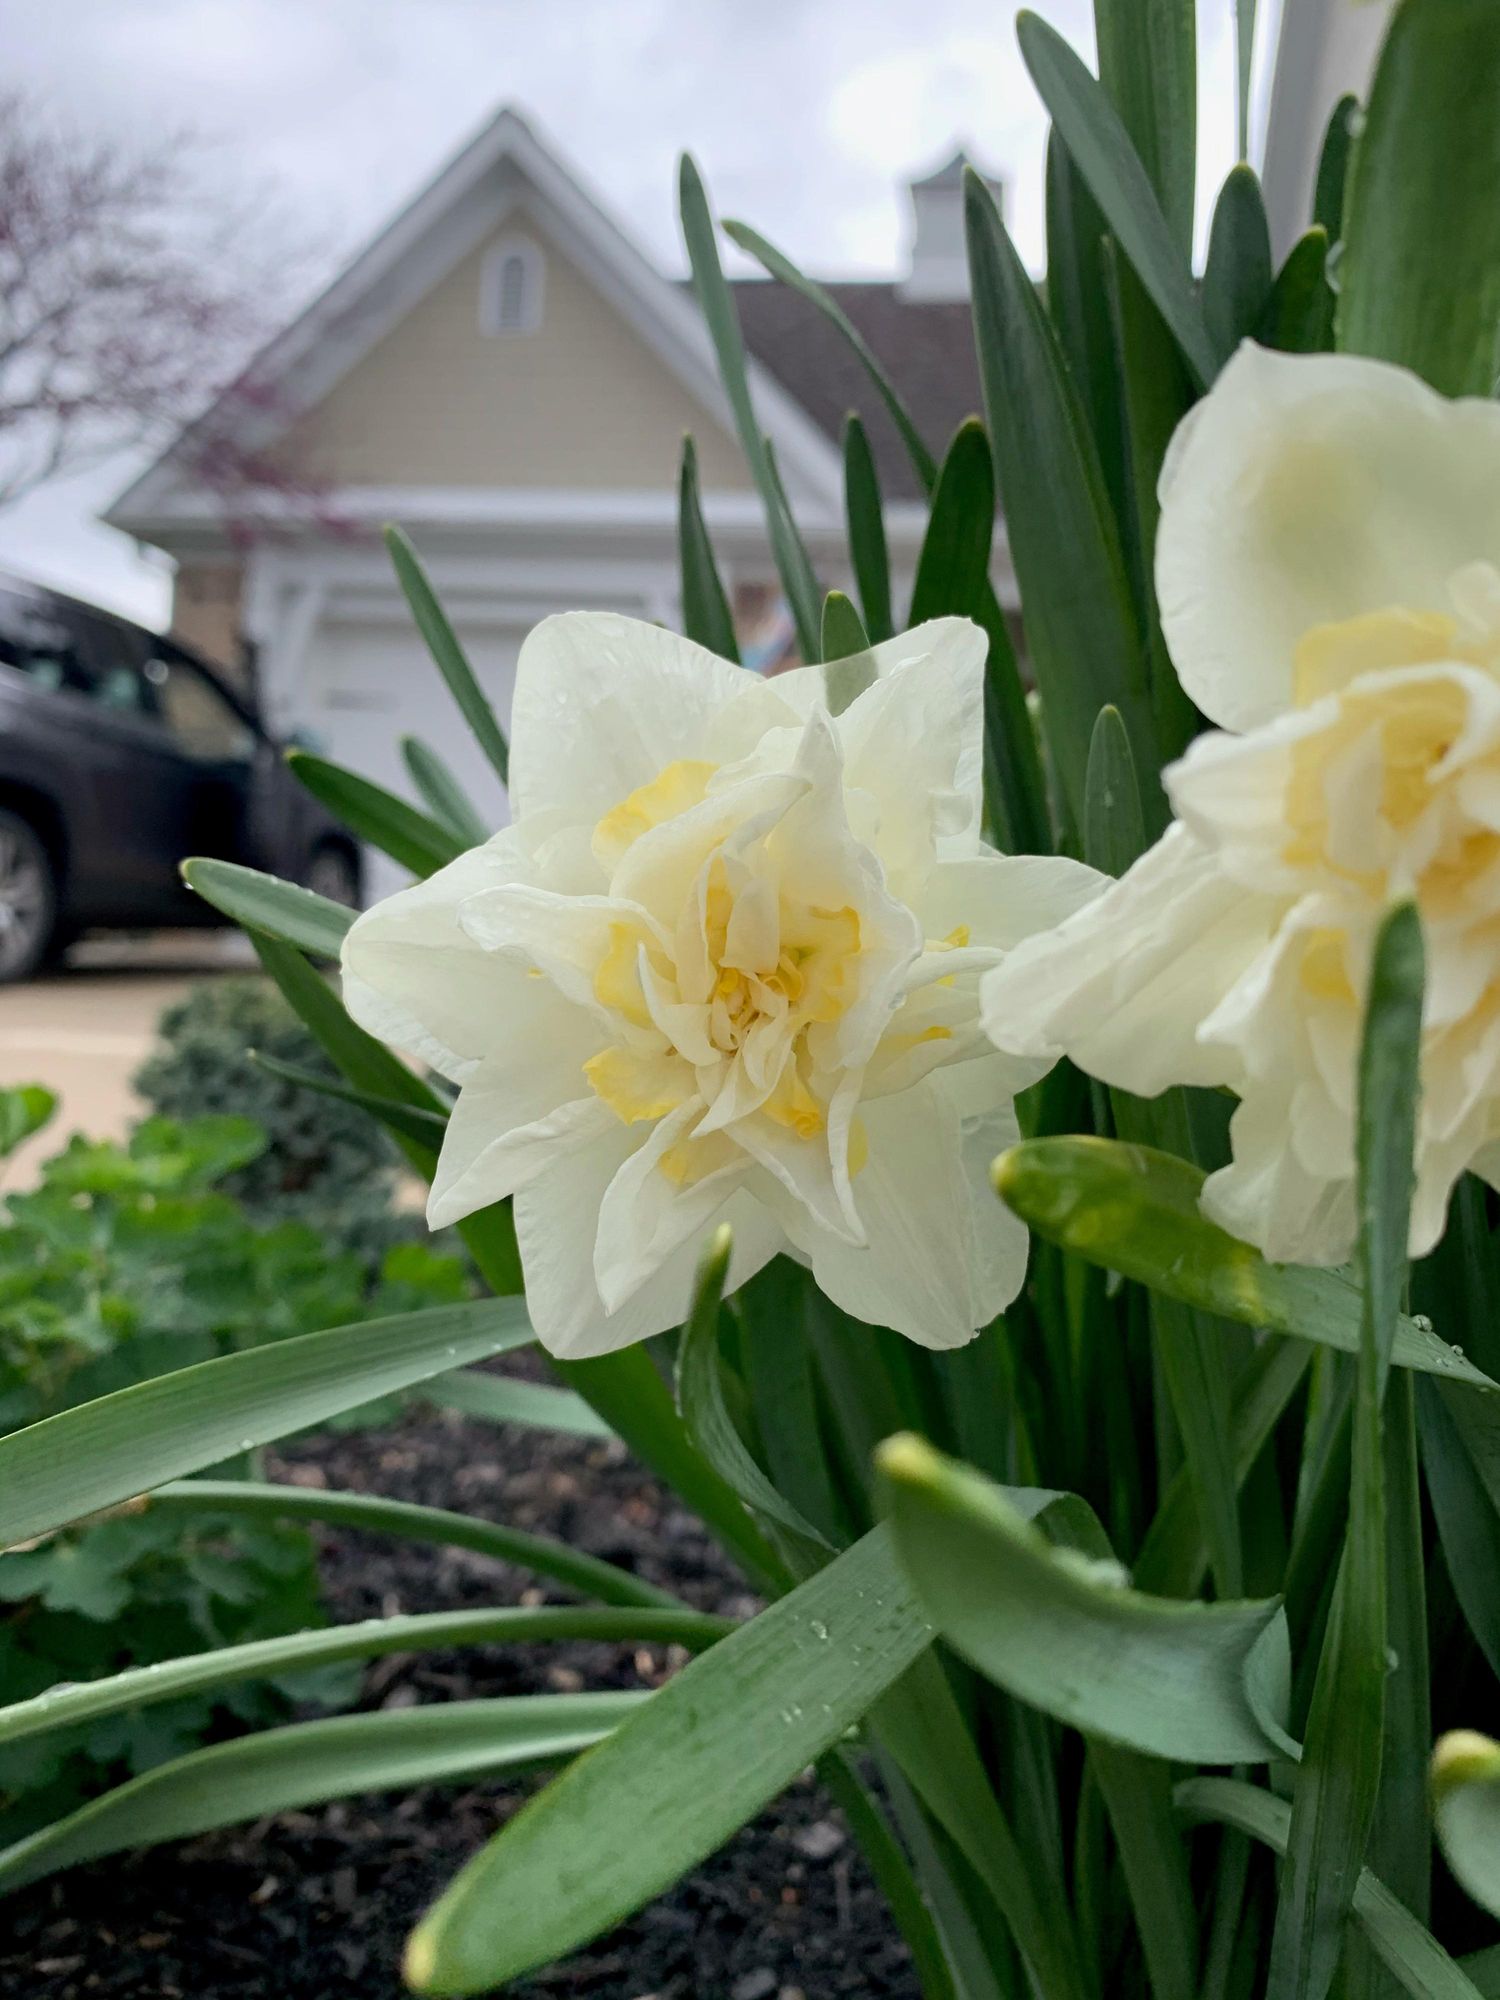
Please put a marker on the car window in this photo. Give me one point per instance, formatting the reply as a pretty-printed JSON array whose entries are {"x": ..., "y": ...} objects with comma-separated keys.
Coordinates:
[
  {"x": 198, "y": 718},
  {"x": 41, "y": 639}
]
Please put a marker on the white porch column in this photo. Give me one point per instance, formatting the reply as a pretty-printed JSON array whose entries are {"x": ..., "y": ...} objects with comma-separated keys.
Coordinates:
[{"x": 1325, "y": 48}]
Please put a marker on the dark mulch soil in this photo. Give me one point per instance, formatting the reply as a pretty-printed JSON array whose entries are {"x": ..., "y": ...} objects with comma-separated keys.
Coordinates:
[{"x": 315, "y": 1905}]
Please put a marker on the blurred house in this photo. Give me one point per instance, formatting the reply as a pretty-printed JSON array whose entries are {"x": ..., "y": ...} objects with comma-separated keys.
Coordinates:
[{"x": 505, "y": 373}]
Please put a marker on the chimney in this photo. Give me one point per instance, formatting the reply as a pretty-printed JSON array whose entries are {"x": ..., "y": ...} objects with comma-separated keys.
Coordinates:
[{"x": 939, "y": 263}]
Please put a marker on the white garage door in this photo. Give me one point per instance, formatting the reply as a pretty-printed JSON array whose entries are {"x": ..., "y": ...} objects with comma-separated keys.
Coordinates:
[{"x": 370, "y": 683}]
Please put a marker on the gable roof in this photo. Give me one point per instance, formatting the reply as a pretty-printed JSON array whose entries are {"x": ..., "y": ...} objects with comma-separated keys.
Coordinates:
[{"x": 506, "y": 168}]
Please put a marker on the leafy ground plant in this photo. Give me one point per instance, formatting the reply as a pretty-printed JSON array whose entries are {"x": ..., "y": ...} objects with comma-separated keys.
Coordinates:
[
  {"x": 1124, "y": 1629},
  {"x": 126, "y": 1262}
]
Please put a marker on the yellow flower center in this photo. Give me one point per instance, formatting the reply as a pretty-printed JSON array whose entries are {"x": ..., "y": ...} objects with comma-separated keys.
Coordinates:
[{"x": 753, "y": 968}]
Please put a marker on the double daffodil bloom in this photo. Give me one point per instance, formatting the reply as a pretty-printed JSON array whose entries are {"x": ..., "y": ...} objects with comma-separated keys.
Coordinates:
[
  {"x": 724, "y": 966},
  {"x": 1328, "y": 572}
]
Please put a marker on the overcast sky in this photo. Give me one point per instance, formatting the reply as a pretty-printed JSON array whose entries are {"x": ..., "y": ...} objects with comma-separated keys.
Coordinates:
[{"x": 807, "y": 117}]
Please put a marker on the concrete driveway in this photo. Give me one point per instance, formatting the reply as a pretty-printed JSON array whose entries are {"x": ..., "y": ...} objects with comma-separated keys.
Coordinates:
[{"x": 85, "y": 1030}]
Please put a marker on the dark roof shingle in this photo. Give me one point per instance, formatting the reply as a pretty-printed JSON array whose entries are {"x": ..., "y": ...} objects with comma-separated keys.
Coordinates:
[{"x": 926, "y": 346}]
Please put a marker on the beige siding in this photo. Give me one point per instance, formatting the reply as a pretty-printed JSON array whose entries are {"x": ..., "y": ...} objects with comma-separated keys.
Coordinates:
[
  {"x": 206, "y": 612},
  {"x": 582, "y": 402}
]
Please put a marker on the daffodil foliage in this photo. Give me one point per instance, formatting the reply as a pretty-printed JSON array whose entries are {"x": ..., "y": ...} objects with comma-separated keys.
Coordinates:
[{"x": 1003, "y": 1114}]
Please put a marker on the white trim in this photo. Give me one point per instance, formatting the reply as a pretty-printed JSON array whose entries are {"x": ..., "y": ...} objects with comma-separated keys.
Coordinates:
[
  {"x": 513, "y": 248},
  {"x": 505, "y": 171},
  {"x": 1324, "y": 48}
]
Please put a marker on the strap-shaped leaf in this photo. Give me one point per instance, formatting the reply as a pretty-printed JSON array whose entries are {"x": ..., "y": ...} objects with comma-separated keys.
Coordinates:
[
  {"x": 373, "y": 1514},
  {"x": 1298, "y": 316},
  {"x": 309, "y": 1762},
  {"x": 424, "y": 1128},
  {"x": 1065, "y": 1633},
  {"x": 369, "y": 1639},
  {"x": 1135, "y": 1211},
  {"x": 448, "y": 655},
  {"x": 103, "y": 1452},
  {"x": 1237, "y": 278},
  {"x": 1148, "y": 63},
  {"x": 843, "y": 636},
  {"x": 700, "y": 1398},
  {"x": 1408, "y": 1951},
  {"x": 864, "y": 517},
  {"x": 1333, "y": 1805},
  {"x": 408, "y": 836},
  {"x": 718, "y": 308},
  {"x": 1114, "y": 827},
  {"x": 708, "y": 1751},
  {"x": 706, "y": 616},
  {"x": 1419, "y": 280},
  {"x": 500, "y": 1399},
  {"x": 749, "y": 240},
  {"x": 953, "y": 567},
  {"x": 260, "y": 902},
  {"x": 446, "y": 798},
  {"x": 1096, "y": 138},
  {"x": 1080, "y": 621},
  {"x": 1333, "y": 167}
]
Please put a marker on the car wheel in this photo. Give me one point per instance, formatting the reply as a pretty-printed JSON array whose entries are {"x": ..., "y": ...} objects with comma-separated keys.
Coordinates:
[
  {"x": 28, "y": 898},
  {"x": 334, "y": 873}
]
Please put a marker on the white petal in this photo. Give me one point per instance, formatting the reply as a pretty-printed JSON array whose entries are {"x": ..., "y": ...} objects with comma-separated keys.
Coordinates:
[
  {"x": 644, "y": 1216},
  {"x": 999, "y": 899},
  {"x": 914, "y": 742},
  {"x": 414, "y": 976},
  {"x": 602, "y": 704},
  {"x": 943, "y": 1256},
  {"x": 1305, "y": 490},
  {"x": 519, "y": 1104},
  {"x": 557, "y": 1218},
  {"x": 1123, "y": 985}
]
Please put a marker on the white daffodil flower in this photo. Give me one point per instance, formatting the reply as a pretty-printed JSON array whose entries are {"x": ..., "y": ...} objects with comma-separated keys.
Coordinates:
[
  {"x": 724, "y": 966},
  {"x": 1328, "y": 571}
]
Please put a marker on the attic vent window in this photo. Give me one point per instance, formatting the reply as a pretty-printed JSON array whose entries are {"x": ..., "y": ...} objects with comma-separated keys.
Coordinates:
[{"x": 510, "y": 292}]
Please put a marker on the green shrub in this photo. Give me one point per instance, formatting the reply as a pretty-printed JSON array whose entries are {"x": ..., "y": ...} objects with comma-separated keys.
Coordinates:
[
  {"x": 324, "y": 1162},
  {"x": 127, "y": 1261}
]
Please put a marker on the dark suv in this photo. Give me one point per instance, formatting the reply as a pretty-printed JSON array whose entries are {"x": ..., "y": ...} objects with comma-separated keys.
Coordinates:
[{"x": 119, "y": 754}]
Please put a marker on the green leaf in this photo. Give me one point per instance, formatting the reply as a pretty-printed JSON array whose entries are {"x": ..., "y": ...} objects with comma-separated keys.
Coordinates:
[
  {"x": 425, "y": 1128},
  {"x": 1080, "y": 622},
  {"x": 500, "y": 1399},
  {"x": 370, "y": 1639},
  {"x": 24, "y": 1108},
  {"x": 953, "y": 567},
  {"x": 1338, "y": 1780},
  {"x": 1138, "y": 1797},
  {"x": 1407, "y": 1950},
  {"x": 367, "y": 1064},
  {"x": 700, "y": 1398},
  {"x": 707, "y": 1752},
  {"x": 717, "y": 305},
  {"x": 1148, "y": 63},
  {"x": 865, "y": 519},
  {"x": 1244, "y": 53},
  {"x": 376, "y": 815},
  {"x": 265, "y": 903},
  {"x": 1419, "y": 279},
  {"x": 100, "y": 1453},
  {"x": 448, "y": 655},
  {"x": 772, "y": 260},
  {"x": 1467, "y": 1522},
  {"x": 1135, "y": 1211},
  {"x": 1100, "y": 146},
  {"x": 1237, "y": 278},
  {"x": 1333, "y": 168},
  {"x": 1114, "y": 829},
  {"x": 1079, "y": 308},
  {"x": 303, "y": 1765},
  {"x": 843, "y": 636},
  {"x": 1466, "y": 1805},
  {"x": 1065, "y": 1633},
  {"x": 1298, "y": 317},
  {"x": 445, "y": 796},
  {"x": 586, "y": 1574},
  {"x": 706, "y": 616}
]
